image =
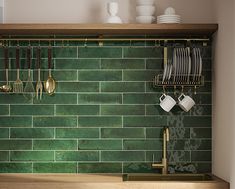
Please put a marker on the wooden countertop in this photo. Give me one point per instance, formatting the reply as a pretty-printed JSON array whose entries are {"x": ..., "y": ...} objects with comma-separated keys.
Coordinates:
[{"x": 96, "y": 181}]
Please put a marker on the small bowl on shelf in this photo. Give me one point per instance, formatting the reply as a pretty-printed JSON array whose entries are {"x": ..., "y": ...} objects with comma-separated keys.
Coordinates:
[{"x": 145, "y": 19}]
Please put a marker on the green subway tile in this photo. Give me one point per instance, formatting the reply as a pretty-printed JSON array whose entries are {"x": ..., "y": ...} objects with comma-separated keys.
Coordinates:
[
  {"x": 206, "y": 52},
  {"x": 140, "y": 98},
  {"x": 15, "y": 144},
  {"x": 139, "y": 168},
  {"x": 68, "y": 52},
  {"x": 100, "y": 121},
  {"x": 99, "y": 98},
  {"x": 77, "y": 133},
  {"x": 4, "y": 133},
  {"x": 15, "y": 121},
  {"x": 13, "y": 99},
  {"x": 99, "y": 168},
  {"x": 77, "y": 156},
  {"x": 155, "y": 110},
  {"x": 122, "y": 110},
  {"x": 55, "y": 168},
  {"x": 55, "y": 121},
  {"x": 4, "y": 109},
  {"x": 77, "y": 63},
  {"x": 122, "y": 133},
  {"x": 122, "y": 64},
  {"x": 198, "y": 121},
  {"x": 100, "y": 144},
  {"x": 99, "y": 52},
  {"x": 122, "y": 156},
  {"x": 207, "y": 64},
  {"x": 201, "y": 156},
  {"x": 154, "y": 64},
  {"x": 154, "y": 133},
  {"x": 148, "y": 121},
  {"x": 143, "y": 52},
  {"x": 32, "y": 156},
  {"x": 15, "y": 167},
  {"x": 32, "y": 133},
  {"x": 139, "y": 75},
  {"x": 4, "y": 155},
  {"x": 77, "y": 87},
  {"x": 203, "y": 99},
  {"x": 77, "y": 110},
  {"x": 122, "y": 87},
  {"x": 58, "y": 99},
  {"x": 142, "y": 144},
  {"x": 100, "y": 75},
  {"x": 204, "y": 167},
  {"x": 13, "y": 75},
  {"x": 55, "y": 145},
  {"x": 201, "y": 133},
  {"x": 32, "y": 110},
  {"x": 62, "y": 75},
  {"x": 201, "y": 110}
]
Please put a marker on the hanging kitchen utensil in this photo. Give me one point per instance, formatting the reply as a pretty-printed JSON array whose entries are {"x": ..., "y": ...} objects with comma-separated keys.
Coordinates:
[
  {"x": 39, "y": 86},
  {"x": 7, "y": 86},
  {"x": 18, "y": 84},
  {"x": 50, "y": 83},
  {"x": 29, "y": 91}
]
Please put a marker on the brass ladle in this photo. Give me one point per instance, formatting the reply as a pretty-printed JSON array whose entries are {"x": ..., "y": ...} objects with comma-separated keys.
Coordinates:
[{"x": 50, "y": 84}]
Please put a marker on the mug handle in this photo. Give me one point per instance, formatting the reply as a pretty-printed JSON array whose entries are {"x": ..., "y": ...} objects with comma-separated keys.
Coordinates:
[
  {"x": 182, "y": 95},
  {"x": 161, "y": 98}
]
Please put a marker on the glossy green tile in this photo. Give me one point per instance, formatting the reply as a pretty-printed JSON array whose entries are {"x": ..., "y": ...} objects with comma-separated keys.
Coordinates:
[
  {"x": 91, "y": 75},
  {"x": 201, "y": 156},
  {"x": 58, "y": 75},
  {"x": 32, "y": 110},
  {"x": 55, "y": 145},
  {"x": 142, "y": 144},
  {"x": 154, "y": 64},
  {"x": 198, "y": 121},
  {"x": 99, "y": 168},
  {"x": 156, "y": 110},
  {"x": 55, "y": 168},
  {"x": 132, "y": 98},
  {"x": 15, "y": 167},
  {"x": 4, "y": 133},
  {"x": 144, "y": 121},
  {"x": 15, "y": 121},
  {"x": 77, "y": 87},
  {"x": 77, "y": 156},
  {"x": 77, "y": 63},
  {"x": 122, "y": 156},
  {"x": 58, "y": 99},
  {"x": 99, "y": 52},
  {"x": 68, "y": 52},
  {"x": 138, "y": 168},
  {"x": 100, "y": 121},
  {"x": 122, "y": 64},
  {"x": 99, "y": 98},
  {"x": 122, "y": 133},
  {"x": 145, "y": 75},
  {"x": 100, "y": 144},
  {"x": 122, "y": 109},
  {"x": 32, "y": 156},
  {"x": 201, "y": 133},
  {"x": 4, "y": 109},
  {"x": 154, "y": 133},
  {"x": 77, "y": 133},
  {"x": 55, "y": 121},
  {"x": 143, "y": 52},
  {"x": 13, "y": 75},
  {"x": 77, "y": 109},
  {"x": 122, "y": 86},
  {"x": 31, "y": 133},
  {"x": 15, "y": 144},
  {"x": 4, "y": 155}
]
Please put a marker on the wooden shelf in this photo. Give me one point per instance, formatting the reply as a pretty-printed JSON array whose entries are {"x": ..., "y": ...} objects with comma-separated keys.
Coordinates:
[{"x": 109, "y": 29}]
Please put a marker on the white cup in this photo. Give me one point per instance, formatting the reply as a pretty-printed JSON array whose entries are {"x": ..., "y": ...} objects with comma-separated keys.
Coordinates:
[
  {"x": 186, "y": 102},
  {"x": 167, "y": 102}
]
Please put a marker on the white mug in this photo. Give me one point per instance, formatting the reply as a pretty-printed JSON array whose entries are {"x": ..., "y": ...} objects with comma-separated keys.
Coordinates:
[
  {"x": 167, "y": 102},
  {"x": 186, "y": 102}
]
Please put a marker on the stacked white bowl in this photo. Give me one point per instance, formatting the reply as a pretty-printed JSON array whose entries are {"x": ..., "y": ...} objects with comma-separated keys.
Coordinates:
[
  {"x": 169, "y": 17},
  {"x": 145, "y": 11}
]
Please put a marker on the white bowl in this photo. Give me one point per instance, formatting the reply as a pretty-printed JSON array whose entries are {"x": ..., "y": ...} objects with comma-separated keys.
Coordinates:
[
  {"x": 145, "y": 2},
  {"x": 145, "y": 10},
  {"x": 169, "y": 11},
  {"x": 145, "y": 19}
]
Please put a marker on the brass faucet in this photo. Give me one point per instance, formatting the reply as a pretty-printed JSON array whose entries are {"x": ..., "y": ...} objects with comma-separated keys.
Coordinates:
[{"x": 164, "y": 164}]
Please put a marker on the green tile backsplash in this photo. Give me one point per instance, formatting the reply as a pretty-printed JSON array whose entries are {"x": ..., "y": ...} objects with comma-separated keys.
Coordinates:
[{"x": 105, "y": 116}]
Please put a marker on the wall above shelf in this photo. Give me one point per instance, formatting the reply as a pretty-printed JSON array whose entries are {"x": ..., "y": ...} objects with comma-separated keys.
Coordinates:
[{"x": 176, "y": 30}]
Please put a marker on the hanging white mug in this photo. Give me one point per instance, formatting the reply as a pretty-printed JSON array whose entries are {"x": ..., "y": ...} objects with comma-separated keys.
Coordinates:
[
  {"x": 167, "y": 102},
  {"x": 186, "y": 102}
]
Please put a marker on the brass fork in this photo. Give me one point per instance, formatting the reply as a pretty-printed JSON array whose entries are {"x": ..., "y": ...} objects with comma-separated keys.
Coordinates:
[
  {"x": 18, "y": 84},
  {"x": 39, "y": 86}
]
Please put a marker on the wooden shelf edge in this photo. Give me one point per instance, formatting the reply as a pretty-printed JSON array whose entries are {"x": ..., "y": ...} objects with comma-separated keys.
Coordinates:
[{"x": 109, "y": 29}]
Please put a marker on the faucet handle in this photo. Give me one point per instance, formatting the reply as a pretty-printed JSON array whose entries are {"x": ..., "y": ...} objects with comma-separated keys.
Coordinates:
[
  {"x": 167, "y": 132},
  {"x": 153, "y": 158}
]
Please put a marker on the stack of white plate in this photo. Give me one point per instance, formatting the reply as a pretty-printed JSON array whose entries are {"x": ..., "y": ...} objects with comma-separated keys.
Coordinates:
[
  {"x": 169, "y": 17},
  {"x": 145, "y": 11}
]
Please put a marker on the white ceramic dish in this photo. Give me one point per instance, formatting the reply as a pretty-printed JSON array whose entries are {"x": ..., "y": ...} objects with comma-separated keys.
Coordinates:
[
  {"x": 145, "y": 10},
  {"x": 168, "y": 22},
  {"x": 145, "y": 2},
  {"x": 145, "y": 19},
  {"x": 169, "y": 16}
]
